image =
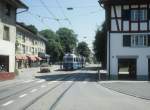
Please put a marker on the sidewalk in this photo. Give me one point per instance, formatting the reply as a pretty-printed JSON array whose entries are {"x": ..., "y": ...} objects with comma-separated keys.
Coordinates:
[
  {"x": 140, "y": 89},
  {"x": 27, "y": 74}
]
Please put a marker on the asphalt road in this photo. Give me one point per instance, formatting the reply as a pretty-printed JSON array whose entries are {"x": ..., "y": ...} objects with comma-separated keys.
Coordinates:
[{"x": 72, "y": 91}]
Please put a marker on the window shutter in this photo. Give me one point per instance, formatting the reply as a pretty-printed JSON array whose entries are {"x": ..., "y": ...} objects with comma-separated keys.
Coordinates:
[
  {"x": 126, "y": 40},
  {"x": 148, "y": 40},
  {"x": 148, "y": 14},
  {"x": 126, "y": 14}
]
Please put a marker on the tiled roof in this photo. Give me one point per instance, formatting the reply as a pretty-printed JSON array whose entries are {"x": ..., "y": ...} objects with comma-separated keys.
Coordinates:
[{"x": 17, "y": 3}]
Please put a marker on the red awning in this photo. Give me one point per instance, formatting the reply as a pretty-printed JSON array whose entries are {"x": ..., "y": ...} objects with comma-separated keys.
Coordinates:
[
  {"x": 32, "y": 58},
  {"x": 21, "y": 57},
  {"x": 18, "y": 57},
  {"x": 24, "y": 57}
]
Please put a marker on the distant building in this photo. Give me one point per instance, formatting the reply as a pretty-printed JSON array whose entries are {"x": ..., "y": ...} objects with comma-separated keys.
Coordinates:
[
  {"x": 8, "y": 33},
  {"x": 29, "y": 47},
  {"x": 128, "y": 38}
]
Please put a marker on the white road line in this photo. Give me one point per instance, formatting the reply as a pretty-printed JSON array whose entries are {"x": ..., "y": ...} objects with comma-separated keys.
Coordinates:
[
  {"x": 85, "y": 81},
  {"x": 28, "y": 81},
  {"x": 34, "y": 90},
  {"x": 43, "y": 86},
  {"x": 23, "y": 95},
  {"x": 52, "y": 82},
  {"x": 40, "y": 81},
  {"x": 7, "y": 103},
  {"x": 69, "y": 81}
]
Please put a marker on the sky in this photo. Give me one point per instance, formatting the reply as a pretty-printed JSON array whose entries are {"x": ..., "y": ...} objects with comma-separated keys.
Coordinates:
[{"x": 84, "y": 19}]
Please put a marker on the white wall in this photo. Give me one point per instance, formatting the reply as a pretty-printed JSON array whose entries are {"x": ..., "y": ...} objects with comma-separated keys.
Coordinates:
[
  {"x": 8, "y": 49},
  {"x": 117, "y": 50}
]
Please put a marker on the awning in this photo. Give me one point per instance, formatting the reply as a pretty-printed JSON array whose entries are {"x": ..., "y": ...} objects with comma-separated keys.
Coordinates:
[
  {"x": 32, "y": 58},
  {"x": 38, "y": 58},
  {"x": 24, "y": 57},
  {"x": 18, "y": 57},
  {"x": 21, "y": 57}
]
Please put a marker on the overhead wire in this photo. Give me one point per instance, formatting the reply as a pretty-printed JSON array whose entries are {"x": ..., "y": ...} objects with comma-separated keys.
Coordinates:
[
  {"x": 61, "y": 8},
  {"x": 36, "y": 17},
  {"x": 50, "y": 12}
]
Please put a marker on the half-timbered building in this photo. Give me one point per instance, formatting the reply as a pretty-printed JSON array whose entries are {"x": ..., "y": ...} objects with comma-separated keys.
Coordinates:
[{"x": 128, "y": 38}]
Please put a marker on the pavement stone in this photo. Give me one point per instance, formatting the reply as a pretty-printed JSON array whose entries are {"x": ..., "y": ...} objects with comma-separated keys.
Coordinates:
[{"x": 140, "y": 89}]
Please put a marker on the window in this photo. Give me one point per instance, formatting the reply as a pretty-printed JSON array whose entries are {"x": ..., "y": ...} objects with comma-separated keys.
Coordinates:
[
  {"x": 139, "y": 40},
  {"x": 8, "y": 10},
  {"x": 23, "y": 49},
  {"x": 6, "y": 33},
  {"x": 139, "y": 15},
  {"x": 126, "y": 14},
  {"x": 24, "y": 38},
  {"x": 134, "y": 15},
  {"x": 27, "y": 49},
  {"x": 126, "y": 40},
  {"x": 136, "y": 41},
  {"x": 142, "y": 15}
]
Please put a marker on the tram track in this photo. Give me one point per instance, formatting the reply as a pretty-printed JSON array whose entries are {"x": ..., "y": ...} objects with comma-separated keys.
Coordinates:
[
  {"x": 22, "y": 90},
  {"x": 50, "y": 90}
]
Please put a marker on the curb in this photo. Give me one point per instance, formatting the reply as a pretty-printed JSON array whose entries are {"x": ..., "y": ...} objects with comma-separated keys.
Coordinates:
[{"x": 140, "y": 97}]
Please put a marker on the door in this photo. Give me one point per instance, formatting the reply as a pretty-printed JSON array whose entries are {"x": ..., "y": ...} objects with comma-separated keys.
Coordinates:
[
  {"x": 127, "y": 69},
  {"x": 149, "y": 69}
]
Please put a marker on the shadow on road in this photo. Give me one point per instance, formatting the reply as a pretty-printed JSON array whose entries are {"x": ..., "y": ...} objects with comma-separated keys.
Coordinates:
[{"x": 91, "y": 77}]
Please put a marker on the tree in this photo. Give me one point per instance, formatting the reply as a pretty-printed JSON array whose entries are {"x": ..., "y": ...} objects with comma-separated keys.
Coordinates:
[
  {"x": 32, "y": 28},
  {"x": 67, "y": 38},
  {"x": 53, "y": 46},
  {"x": 83, "y": 49},
  {"x": 100, "y": 45}
]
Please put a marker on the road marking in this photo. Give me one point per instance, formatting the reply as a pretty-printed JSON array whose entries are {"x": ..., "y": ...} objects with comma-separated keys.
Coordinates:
[
  {"x": 28, "y": 81},
  {"x": 7, "y": 103},
  {"x": 23, "y": 95},
  {"x": 40, "y": 81},
  {"x": 33, "y": 90},
  {"x": 54, "y": 81},
  {"x": 85, "y": 81},
  {"x": 43, "y": 86},
  {"x": 69, "y": 81}
]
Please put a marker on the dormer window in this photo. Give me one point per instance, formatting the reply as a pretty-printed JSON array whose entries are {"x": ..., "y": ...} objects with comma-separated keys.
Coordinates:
[{"x": 8, "y": 10}]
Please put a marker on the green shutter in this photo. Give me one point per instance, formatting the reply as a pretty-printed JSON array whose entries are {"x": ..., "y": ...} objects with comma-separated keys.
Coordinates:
[
  {"x": 148, "y": 40},
  {"x": 126, "y": 14},
  {"x": 148, "y": 14},
  {"x": 126, "y": 40}
]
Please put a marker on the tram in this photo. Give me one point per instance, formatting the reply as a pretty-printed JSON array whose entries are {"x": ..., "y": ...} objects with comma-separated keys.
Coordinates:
[{"x": 73, "y": 62}]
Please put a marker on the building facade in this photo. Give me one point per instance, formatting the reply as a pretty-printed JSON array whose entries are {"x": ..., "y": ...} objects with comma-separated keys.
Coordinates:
[
  {"x": 128, "y": 38},
  {"x": 8, "y": 33},
  {"x": 28, "y": 47}
]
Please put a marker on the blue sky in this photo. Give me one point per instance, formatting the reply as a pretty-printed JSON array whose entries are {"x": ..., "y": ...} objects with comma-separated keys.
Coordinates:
[{"x": 85, "y": 17}]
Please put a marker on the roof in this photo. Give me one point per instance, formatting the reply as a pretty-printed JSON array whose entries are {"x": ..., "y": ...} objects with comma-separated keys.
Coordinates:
[
  {"x": 24, "y": 28},
  {"x": 17, "y": 3},
  {"x": 120, "y": 2}
]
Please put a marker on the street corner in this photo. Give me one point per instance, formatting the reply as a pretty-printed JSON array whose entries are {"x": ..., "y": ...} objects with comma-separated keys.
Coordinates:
[{"x": 139, "y": 89}]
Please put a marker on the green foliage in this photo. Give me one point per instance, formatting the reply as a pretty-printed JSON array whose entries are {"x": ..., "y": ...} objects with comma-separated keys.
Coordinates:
[
  {"x": 53, "y": 46},
  {"x": 32, "y": 28},
  {"x": 67, "y": 38},
  {"x": 83, "y": 49},
  {"x": 63, "y": 41},
  {"x": 100, "y": 45}
]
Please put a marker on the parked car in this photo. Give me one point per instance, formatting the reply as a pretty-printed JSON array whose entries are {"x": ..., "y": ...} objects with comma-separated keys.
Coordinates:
[{"x": 44, "y": 68}]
